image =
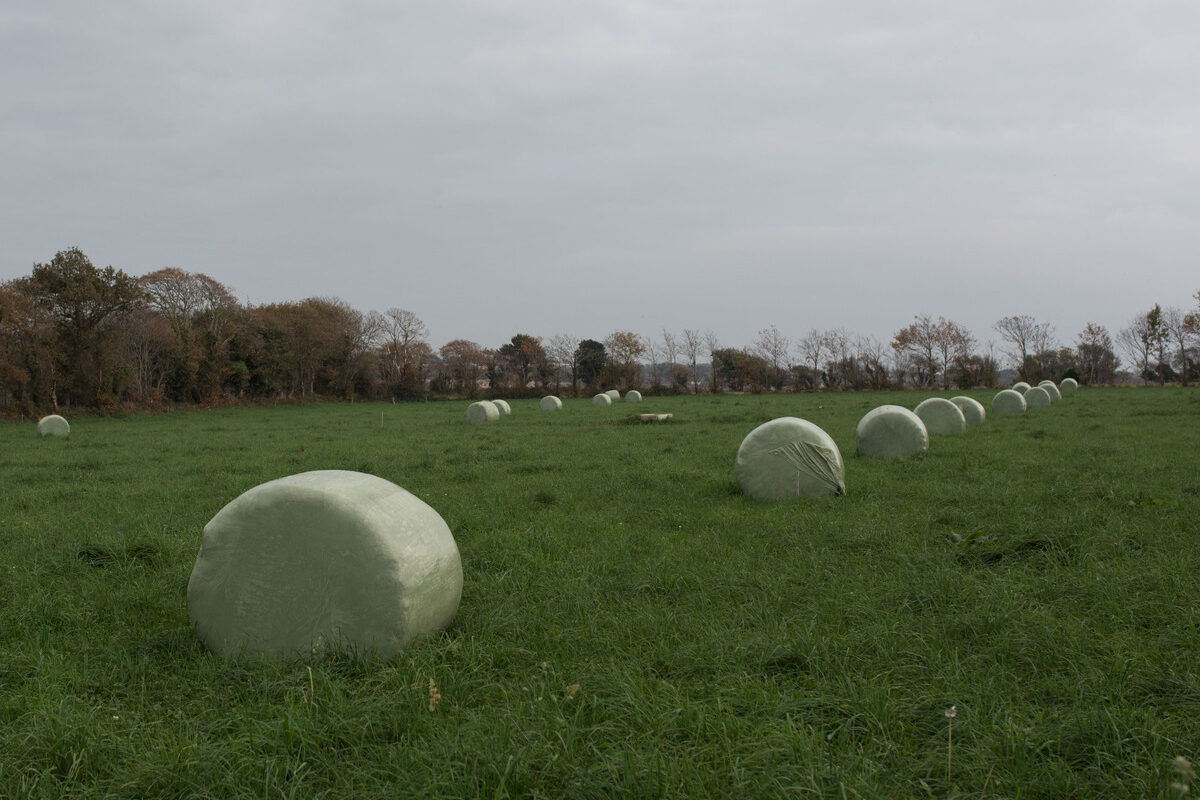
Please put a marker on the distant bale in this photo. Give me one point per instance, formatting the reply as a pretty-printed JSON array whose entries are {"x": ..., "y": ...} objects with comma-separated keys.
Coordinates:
[
  {"x": 633, "y": 396},
  {"x": 503, "y": 407},
  {"x": 326, "y": 558},
  {"x": 550, "y": 403},
  {"x": 614, "y": 394},
  {"x": 602, "y": 399},
  {"x": 483, "y": 411},
  {"x": 890, "y": 432},
  {"x": 53, "y": 425},
  {"x": 971, "y": 408},
  {"x": 789, "y": 457},
  {"x": 1008, "y": 401},
  {"x": 1037, "y": 397},
  {"x": 941, "y": 417},
  {"x": 1020, "y": 386},
  {"x": 1051, "y": 390},
  {"x": 1068, "y": 385}
]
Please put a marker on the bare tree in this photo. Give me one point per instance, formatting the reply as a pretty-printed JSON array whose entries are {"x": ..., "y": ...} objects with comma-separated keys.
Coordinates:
[
  {"x": 872, "y": 353},
  {"x": 1028, "y": 338},
  {"x": 1138, "y": 341},
  {"x": 1180, "y": 332},
  {"x": 670, "y": 347},
  {"x": 812, "y": 352},
  {"x": 918, "y": 341},
  {"x": 561, "y": 349},
  {"x": 691, "y": 348},
  {"x": 653, "y": 350},
  {"x": 1094, "y": 353},
  {"x": 712, "y": 344},
  {"x": 773, "y": 347},
  {"x": 840, "y": 364},
  {"x": 403, "y": 345},
  {"x": 952, "y": 343}
]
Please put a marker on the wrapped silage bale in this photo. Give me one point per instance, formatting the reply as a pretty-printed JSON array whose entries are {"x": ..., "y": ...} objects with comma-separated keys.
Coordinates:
[
  {"x": 1052, "y": 390},
  {"x": 1008, "y": 401},
  {"x": 550, "y": 403},
  {"x": 890, "y": 432},
  {"x": 1020, "y": 386},
  {"x": 503, "y": 407},
  {"x": 633, "y": 396},
  {"x": 971, "y": 408},
  {"x": 1037, "y": 397},
  {"x": 325, "y": 558},
  {"x": 614, "y": 394},
  {"x": 53, "y": 425},
  {"x": 483, "y": 411},
  {"x": 941, "y": 417},
  {"x": 786, "y": 458},
  {"x": 602, "y": 399},
  {"x": 1068, "y": 385}
]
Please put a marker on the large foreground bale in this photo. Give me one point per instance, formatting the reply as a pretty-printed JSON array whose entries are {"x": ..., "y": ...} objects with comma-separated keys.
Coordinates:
[
  {"x": 1037, "y": 397},
  {"x": 614, "y": 395},
  {"x": 602, "y": 399},
  {"x": 789, "y": 457},
  {"x": 971, "y": 408},
  {"x": 1008, "y": 401},
  {"x": 550, "y": 403},
  {"x": 1020, "y": 386},
  {"x": 1068, "y": 385},
  {"x": 1052, "y": 390},
  {"x": 53, "y": 425},
  {"x": 323, "y": 558},
  {"x": 503, "y": 407},
  {"x": 890, "y": 432},
  {"x": 633, "y": 396},
  {"x": 941, "y": 417},
  {"x": 483, "y": 411}
]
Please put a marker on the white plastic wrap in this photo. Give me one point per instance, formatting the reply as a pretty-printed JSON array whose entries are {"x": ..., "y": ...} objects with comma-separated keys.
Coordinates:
[
  {"x": 789, "y": 457},
  {"x": 941, "y": 417},
  {"x": 1037, "y": 397},
  {"x": 1008, "y": 401},
  {"x": 971, "y": 408},
  {"x": 53, "y": 425},
  {"x": 891, "y": 432},
  {"x": 327, "y": 557},
  {"x": 483, "y": 411}
]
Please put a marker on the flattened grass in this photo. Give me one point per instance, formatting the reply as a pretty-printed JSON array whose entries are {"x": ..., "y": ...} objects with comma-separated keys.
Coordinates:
[{"x": 631, "y": 626}]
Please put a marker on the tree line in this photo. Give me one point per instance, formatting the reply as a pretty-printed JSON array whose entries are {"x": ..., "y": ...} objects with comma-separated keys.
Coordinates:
[{"x": 73, "y": 335}]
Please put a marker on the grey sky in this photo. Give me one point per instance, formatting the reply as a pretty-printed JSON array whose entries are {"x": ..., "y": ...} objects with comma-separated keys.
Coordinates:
[{"x": 588, "y": 166}]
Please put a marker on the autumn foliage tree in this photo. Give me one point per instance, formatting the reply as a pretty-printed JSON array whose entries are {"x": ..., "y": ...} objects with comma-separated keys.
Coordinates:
[
  {"x": 624, "y": 348},
  {"x": 82, "y": 304}
]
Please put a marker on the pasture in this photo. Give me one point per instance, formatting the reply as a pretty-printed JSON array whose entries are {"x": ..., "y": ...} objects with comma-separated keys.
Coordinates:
[{"x": 630, "y": 626}]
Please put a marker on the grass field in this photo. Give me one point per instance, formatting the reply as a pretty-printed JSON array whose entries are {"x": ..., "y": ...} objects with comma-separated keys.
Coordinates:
[{"x": 630, "y": 626}]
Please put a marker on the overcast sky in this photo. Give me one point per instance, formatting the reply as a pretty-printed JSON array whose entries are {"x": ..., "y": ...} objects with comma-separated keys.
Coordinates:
[{"x": 586, "y": 166}]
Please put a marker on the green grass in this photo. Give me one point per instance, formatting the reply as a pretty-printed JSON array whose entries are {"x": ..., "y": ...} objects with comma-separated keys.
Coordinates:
[{"x": 631, "y": 626}]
